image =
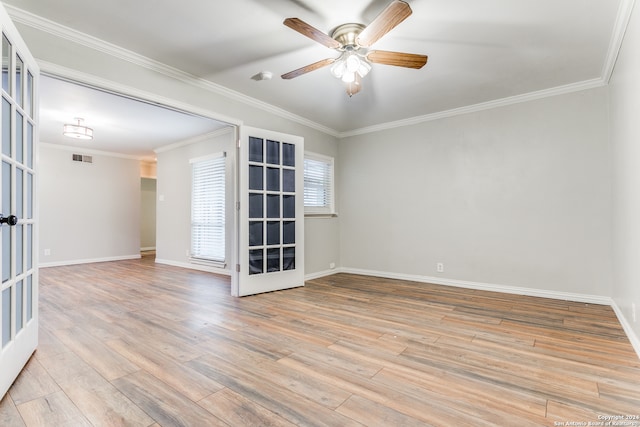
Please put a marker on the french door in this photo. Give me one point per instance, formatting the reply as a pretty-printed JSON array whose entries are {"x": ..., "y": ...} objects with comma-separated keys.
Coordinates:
[
  {"x": 270, "y": 236},
  {"x": 18, "y": 270}
]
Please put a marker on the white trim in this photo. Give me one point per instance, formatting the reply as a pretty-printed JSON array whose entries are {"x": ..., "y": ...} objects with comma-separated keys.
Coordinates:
[
  {"x": 323, "y": 273},
  {"x": 517, "y": 290},
  {"x": 199, "y": 267},
  {"x": 531, "y": 96},
  {"x": 59, "y": 71},
  {"x": 320, "y": 157},
  {"x": 564, "y": 296},
  {"x": 633, "y": 338},
  {"x": 88, "y": 261},
  {"x": 80, "y": 150},
  {"x": 194, "y": 140},
  {"x": 209, "y": 262},
  {"x": 149, "y": 248},
  {"x": 617, "y": 37},
  {"x": 91, "y": 42},
  {"x": 218, "y": 155},
  {"x": 34, "y": 21},
  {"x": 330, "y": 210}
]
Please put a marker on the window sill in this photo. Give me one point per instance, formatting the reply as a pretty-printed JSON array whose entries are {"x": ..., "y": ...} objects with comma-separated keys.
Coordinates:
[
  {"x": 321, "y": 215},
  {"x": 207, "y": 262}
]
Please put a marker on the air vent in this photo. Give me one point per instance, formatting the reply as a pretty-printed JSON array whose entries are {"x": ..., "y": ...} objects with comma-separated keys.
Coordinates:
[{"x": 82, "y": 158}]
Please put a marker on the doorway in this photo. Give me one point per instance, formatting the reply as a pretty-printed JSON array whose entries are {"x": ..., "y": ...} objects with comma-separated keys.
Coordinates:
[
  {"x": 111, "y": 197},
  {"x": 148, "y": 197},
  {"x": 155, "y": 125}
]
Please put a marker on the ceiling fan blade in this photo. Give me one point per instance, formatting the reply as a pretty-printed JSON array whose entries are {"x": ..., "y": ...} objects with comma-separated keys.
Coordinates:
[
  {"x": 308, "y": 68},
  {"x": 388, "y": 19},
  {"x": 399, "y": 59},
  {"x": 311, "y": 32}
]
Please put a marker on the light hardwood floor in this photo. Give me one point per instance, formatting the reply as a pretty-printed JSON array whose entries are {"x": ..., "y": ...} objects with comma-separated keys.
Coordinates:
[{"x": 134, "y": 343}]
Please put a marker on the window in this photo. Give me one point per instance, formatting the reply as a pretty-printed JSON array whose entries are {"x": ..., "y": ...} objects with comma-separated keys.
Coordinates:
[
  {"x": 208, "y": 208},
  {"x": 318, "y": 184}
]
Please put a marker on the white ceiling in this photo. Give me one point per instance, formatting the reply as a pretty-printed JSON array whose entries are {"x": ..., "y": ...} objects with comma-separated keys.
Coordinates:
[
  {"x": 120, "y": 125},
  {"x": 479, "y": 50}
]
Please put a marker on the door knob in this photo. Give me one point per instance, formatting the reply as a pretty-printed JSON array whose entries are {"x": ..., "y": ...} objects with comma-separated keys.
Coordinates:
[{"x": 9, "y": 220}]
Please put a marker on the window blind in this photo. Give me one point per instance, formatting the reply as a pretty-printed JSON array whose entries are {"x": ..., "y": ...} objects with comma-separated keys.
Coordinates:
[
  {"x": 318, "y": 184},
  {"x": 208, "y": 208}
]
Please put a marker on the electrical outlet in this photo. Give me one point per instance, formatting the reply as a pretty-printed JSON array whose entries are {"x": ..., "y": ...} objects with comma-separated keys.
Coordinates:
[
  {"x": 47, "y": 252},
  {"x": 332, "y": 265},
  {"x": 440, "y": 267}
]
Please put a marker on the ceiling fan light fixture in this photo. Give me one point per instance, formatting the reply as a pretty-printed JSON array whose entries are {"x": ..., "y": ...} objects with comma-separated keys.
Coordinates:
[
  {"x": 364, "y": 68},
  {"x": 77, "y": 131},
  {"x": 349, "y": 77},
  {"x": 353, "y": 62},
  {"x": 338, "y": 68},
  {"x": 353, "y": 41},
  {"x": 348, "y": 65}
]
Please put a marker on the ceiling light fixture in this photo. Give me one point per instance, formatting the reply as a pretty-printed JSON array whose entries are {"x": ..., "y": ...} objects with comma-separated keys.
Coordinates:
[
  {"x": 348, "y": 65},
  {"x": 353, "y": 40},
  {"x": 352, "y": 64},
  {"x": 77, "y": 131}
]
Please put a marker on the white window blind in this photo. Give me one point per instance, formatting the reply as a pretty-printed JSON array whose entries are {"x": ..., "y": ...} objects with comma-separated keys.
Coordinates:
[
  {"x": 208, "y": 208},
  {"x": 318, "y": 184}
]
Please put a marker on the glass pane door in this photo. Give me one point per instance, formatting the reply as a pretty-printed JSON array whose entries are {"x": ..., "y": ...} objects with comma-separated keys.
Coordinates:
[
  {"x": 18, "y": 272},
  {"x": 271, "y": 229}
]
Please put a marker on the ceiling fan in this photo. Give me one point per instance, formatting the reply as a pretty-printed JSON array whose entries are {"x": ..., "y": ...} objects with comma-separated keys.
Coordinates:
[{"x": 353, "y": 41}]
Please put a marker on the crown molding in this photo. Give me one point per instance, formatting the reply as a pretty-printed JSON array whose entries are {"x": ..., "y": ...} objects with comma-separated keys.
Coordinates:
[
  {"x": 109, "y": 86},
  {"x": 81, "y": 150},
  {"x": 502, "y": 102},
  {"x": 622, "y": 20},
  {"x": 194, "y": 140},
  {"x": 615, "y": 44},
  {"x": 61, "y": 31}
]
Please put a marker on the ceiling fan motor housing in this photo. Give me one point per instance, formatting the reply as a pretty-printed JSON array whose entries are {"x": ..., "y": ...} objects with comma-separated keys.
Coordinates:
[{"x": 346, "y": 34}]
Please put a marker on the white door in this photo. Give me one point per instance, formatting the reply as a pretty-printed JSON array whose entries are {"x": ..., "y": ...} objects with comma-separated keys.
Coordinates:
[
  {"x": 19, "y": 288},
  {"x": 270, "y": 235}
]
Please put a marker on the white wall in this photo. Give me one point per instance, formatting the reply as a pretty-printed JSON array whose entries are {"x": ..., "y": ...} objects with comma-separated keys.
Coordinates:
[
  {"x": 88, "y": 211},
  {"x": 173, "y": 229},
  {"x": 147, "y": 213},
  {"x": 625, "y": 137},
  {"x": 513, "y": 196}
]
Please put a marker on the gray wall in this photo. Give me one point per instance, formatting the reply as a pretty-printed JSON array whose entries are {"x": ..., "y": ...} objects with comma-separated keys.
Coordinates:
[
  {"x": 321, "y": 234},
  {"x": 80, "y": 62},
  {"x": 88, "y": 211},
  {"x": 173, "y": 234},
  {"x": 147, "y": 213},
  {"x": 625, "y": 137},
  {"x": 513, "y": 196}
]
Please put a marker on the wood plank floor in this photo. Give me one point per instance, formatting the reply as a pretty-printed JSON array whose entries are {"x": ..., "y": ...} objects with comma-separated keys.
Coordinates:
[{"x": 138, "y": 344}]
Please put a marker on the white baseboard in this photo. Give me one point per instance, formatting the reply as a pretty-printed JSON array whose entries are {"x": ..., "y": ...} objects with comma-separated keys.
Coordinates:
[
  {"x": 633, "y": 338},
  {"x": 148, "y": 248},
  {"x": 320, "y": 274},
  {"x": 87, "y": 261},
  {"x": 566, "y": 296},
  {"x": 199, "y": 267}
]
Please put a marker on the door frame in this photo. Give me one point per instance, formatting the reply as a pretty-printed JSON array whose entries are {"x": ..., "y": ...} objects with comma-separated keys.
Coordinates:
[{"x": 77, "y": 77}]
